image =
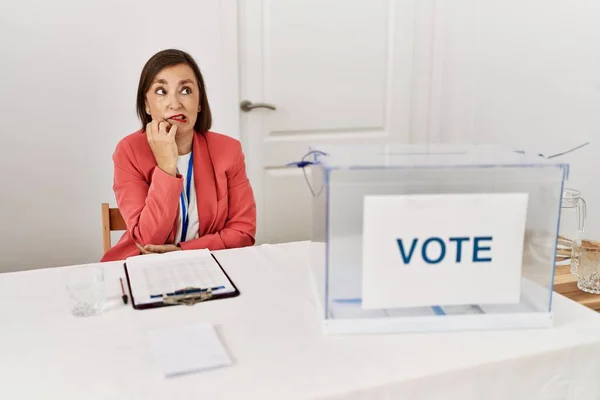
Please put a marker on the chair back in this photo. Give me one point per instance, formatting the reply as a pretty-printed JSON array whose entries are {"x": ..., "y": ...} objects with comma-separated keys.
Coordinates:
[{"x": 112, "y": 220}]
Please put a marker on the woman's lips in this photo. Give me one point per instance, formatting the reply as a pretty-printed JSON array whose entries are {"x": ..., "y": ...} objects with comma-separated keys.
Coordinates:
[{"x": 178, "y": 118}]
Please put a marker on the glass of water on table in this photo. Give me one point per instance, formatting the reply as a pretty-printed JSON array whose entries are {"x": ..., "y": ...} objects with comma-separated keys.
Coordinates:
[
  {"x": 588, "y": 269},
  {"x": 85, "y": 286}
]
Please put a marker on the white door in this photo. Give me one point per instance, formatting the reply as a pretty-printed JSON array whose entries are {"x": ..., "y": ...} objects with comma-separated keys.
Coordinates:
[{"x": 336, "y": 71}]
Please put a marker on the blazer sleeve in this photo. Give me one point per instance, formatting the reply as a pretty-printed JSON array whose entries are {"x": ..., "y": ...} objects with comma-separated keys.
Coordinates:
[
  {"x": 149, "y": 209},
  {"x": 240, "y": 227}
]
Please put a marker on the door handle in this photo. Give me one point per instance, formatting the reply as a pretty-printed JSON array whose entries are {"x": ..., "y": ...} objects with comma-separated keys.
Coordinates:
[{"x": 247, "y": 105}]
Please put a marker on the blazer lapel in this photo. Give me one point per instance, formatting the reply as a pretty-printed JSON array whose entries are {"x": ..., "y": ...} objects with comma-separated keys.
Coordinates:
[{"x": 204, "y": 182}]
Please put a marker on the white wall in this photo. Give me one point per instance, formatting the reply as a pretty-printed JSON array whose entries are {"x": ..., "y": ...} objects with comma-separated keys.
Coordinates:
[
  {"x": 69, "y": 74},
  {"x": 524, "y": 73}
]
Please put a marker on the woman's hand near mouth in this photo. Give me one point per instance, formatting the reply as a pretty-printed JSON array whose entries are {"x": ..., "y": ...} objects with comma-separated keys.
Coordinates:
[{"x": 161, "y": 138}]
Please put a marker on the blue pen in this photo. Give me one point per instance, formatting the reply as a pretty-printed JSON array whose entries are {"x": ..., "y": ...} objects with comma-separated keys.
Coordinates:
[{"x": 180, "y": 292}]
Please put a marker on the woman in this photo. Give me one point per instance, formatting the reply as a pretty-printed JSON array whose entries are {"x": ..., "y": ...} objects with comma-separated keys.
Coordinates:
[{"x": 178, "y": 185}]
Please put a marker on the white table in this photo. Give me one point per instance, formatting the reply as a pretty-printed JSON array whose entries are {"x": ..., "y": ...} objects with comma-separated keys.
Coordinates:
[{"x": 274, "y": 336}]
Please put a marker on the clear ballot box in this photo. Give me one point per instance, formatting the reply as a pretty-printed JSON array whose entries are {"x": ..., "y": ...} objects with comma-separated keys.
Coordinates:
[{"x": 433, "y": 237}]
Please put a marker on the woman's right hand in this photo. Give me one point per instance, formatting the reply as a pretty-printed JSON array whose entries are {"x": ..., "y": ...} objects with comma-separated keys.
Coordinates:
[{"x": 161, "y": 138}]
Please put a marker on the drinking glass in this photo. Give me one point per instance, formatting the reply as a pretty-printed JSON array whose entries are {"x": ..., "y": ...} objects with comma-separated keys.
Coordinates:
[{"x": 86, "y": 290}]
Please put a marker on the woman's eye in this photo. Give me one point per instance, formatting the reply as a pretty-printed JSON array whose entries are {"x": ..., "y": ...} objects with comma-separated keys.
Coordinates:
[
  {"x": 186, "y": 91},
  {"x": 160, "y": 91}
]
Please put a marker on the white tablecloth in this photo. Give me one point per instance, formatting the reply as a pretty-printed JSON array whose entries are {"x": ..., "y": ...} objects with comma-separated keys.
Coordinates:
[{"x": 274, "y": 336}]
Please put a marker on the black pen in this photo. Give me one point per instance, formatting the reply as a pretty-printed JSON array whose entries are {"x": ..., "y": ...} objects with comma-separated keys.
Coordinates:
[{"x": 124, "y": 297}]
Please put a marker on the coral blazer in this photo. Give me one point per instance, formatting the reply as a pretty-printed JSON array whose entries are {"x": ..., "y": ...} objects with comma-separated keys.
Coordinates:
[{"x": 148, "y": 198}]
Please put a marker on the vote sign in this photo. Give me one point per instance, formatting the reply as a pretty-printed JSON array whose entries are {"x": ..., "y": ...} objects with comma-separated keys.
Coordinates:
[{"x": 442, "y": 249}]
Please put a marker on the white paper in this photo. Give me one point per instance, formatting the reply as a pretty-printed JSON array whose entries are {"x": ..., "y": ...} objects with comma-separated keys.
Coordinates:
[
  {"x": 185, "y": 349},
  {"x": 390, "y": 281},
  {"x": 157, "y": 274}
]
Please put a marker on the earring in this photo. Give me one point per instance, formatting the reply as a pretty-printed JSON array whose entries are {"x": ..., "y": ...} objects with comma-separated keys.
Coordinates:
[{"x": 148, "y": 111}]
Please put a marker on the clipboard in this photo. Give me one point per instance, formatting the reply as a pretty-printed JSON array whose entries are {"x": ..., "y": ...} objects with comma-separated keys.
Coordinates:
[{"x": 190, "y": 296}]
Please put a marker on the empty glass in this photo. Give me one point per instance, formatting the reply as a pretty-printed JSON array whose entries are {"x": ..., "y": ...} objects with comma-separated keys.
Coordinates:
[
  {"x": 572, "y": 225},
  {"x": 86, "y": 290},
  {"x": 588, "y": 270}
]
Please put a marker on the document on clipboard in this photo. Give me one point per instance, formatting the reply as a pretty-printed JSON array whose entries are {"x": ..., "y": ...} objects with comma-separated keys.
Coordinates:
[{"x": 180, "y": 277}]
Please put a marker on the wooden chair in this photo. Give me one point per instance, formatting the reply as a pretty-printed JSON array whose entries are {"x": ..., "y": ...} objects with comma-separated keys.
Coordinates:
[{"x": 112, "y": 220}]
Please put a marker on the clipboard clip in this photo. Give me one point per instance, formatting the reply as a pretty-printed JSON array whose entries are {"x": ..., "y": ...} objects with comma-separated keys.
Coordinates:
[{"x": 188, "y": 296}]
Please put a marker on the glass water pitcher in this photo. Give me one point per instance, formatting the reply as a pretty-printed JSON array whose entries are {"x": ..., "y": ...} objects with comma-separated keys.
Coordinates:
[{"x": 572, "y": 226}]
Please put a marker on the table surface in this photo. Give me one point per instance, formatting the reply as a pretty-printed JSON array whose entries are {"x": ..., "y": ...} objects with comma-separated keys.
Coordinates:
[
  {"x": 274, "y": 336},
  {"x": 566, "y": 284}
]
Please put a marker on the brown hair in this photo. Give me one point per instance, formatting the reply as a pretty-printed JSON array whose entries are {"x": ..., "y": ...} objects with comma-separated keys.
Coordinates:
[{"x": 160, "y": 61}]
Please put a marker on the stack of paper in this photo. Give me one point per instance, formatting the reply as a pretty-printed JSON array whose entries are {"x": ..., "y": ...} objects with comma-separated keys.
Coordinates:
[{"x": 185, "y": 349}]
